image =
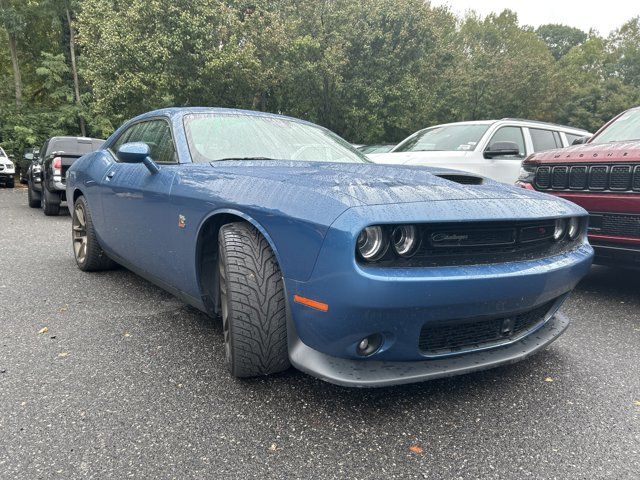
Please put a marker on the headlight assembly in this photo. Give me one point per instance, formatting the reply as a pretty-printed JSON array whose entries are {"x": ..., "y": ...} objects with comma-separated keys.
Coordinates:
[
  {"x": 372, "y": 243},
  {"x": 405, "y": 240}
]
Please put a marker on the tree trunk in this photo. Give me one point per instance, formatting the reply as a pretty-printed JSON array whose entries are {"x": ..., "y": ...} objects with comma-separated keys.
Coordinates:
[
  {"x": 74, "y": 71},
  {"x": 13, "y": 50},
  {"x": 17, "y": 77}
]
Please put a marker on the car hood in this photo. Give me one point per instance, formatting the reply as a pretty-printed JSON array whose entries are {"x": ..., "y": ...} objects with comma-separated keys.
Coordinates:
[
  {"x": 418, "y": 158},
  {"x": 366, "y": 184},
  {"x": 600, "y": 152}
]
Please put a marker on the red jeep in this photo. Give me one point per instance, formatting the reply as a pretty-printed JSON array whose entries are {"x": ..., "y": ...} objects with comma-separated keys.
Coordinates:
[{"x": 603, "y": 176}]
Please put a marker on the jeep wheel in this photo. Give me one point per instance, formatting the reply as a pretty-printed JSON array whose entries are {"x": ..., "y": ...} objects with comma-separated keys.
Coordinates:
[
  {"x": 86, "y": 248},
  {"x": 50, "y": 202},
  {"x": 35, "y": 198},
  {"x": 252, "y": 303}
]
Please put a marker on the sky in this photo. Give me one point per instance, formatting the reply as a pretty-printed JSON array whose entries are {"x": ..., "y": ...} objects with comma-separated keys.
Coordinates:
[{"x": 603, "y": 15}]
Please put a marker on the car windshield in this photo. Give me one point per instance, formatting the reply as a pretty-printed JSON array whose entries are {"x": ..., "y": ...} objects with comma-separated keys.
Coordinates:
[
  {"x": 240, "y": 136},
  {"x": 445, "y": 138},
  {"x": 2, "y": 154},
  {"x": 625, "y": 129}
]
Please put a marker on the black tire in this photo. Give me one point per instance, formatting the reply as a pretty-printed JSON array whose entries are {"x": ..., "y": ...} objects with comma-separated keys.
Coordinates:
[
  {"x": 252, "y": 303},
  {"x": 94, "y": 258},
  {"x": 11, "y": 183},
  {"x": 35, "y": 199},
  {"x": 50, "y": 202}
]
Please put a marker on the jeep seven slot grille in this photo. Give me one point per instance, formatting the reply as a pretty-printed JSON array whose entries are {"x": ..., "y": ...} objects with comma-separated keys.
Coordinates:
[
  {"x": 593, "y": 178},
  {"x": 459, "y": 336}
]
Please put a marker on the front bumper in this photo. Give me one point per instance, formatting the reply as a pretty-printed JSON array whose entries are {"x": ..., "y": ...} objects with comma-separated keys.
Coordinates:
[
  {"x": 399, "y": 303},
  {"x": 358, "y": 373}
]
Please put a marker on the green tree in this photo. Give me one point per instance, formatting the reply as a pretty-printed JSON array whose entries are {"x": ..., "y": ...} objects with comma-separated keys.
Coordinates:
[{"x": 561, "y": 38}]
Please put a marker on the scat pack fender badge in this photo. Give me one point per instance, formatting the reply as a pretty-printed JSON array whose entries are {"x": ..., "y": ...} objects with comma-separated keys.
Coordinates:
[{"x": 182, "y": 221}]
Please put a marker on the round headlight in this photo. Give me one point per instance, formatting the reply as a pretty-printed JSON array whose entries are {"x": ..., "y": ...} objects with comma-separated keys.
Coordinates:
[
  {"x": 574, "y": 228},
  {"x": 405, "y": 240},
  {"x": 561, "y": 226},
  {"x": 372, "y": 244}
]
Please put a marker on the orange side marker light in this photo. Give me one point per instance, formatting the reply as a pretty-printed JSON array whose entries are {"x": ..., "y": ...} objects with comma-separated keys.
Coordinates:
[{"x": 323, "y": 307}]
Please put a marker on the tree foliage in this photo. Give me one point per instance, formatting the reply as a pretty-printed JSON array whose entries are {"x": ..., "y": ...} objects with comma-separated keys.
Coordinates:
[{"x": 372, "y": 70}]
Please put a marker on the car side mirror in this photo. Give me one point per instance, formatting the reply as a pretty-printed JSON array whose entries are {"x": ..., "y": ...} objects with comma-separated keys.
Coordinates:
[
  {"x": 28, "y": 156},
  {"x": 137, "y": 152},
  {"x": 581, "y": 140},
  {"x": 502, "y": 149}
]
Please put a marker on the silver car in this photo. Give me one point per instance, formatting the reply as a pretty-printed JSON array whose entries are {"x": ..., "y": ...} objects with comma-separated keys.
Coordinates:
[{"x": 491, "y": 148}]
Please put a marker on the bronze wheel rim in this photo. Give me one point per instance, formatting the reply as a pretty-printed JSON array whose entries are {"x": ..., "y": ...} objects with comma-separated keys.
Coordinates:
[{"x": 79, "y": 233}]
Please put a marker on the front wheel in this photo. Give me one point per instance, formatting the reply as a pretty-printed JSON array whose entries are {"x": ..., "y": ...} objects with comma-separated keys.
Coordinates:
[
  {"x": 252, "y": 303},
  {"x": 86, "y": 248}
]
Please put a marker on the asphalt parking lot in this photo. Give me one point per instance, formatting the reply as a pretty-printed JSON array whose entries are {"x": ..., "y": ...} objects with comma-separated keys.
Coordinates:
[{"x": 129, "y": 382}]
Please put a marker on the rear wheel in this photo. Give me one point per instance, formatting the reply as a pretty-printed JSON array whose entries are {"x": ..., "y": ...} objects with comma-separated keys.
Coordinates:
[
  {"x": 86, "y": 248},
  {"x": 252, "y": 303},
  {"x": 35, "y": 198},
  {"x": 50, "y": 202}
]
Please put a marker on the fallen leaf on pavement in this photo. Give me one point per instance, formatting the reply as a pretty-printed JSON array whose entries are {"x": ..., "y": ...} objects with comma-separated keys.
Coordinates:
[
  {"x": 64, "y": 309},
  {"x": 637, "y": 403},
  {"x": 417, "y": 449},
  {"x": 63, "y": 354},
  {"x": 548, "y": 379},
  {"x": 273, "y": 447},
  {"x": 43, "y": 330},
  {"x": 127, "y": 334}
]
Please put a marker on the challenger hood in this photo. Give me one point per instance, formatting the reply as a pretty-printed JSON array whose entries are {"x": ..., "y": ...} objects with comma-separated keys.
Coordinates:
[{"x": 368, "y": 184}]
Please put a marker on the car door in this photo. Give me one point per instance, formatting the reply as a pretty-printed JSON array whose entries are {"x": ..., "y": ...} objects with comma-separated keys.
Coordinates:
[
  {"x": 135, "y": 202},
  {"x": 506, "y": 169}
]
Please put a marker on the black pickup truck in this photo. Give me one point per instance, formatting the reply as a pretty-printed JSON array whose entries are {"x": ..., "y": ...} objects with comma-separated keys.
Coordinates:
[{"x": 46, "y": 175}]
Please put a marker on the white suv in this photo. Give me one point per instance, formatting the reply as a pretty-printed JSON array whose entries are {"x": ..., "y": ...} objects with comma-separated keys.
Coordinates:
[
  {"x": 469, "y": 146},
  {"x": 7, "y": 170}
]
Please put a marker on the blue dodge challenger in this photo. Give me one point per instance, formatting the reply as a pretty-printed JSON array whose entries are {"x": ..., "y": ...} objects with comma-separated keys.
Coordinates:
[{"x": 357, "y": 273}]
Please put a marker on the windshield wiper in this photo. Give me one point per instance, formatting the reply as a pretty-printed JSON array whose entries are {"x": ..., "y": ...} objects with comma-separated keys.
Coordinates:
[{"x": 243, "y": 158}]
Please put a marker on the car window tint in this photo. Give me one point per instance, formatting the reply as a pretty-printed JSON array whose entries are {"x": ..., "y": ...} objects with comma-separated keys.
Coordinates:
[
  {"x": 510, "y": 134},
  {"x": 543, "y": 139},
  {"x": 156, "y": 134},
  {"x": 572, "y": 138}
]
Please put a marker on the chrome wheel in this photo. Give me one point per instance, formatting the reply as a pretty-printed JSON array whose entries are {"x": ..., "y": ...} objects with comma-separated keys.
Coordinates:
[
  {"x": 224, "y": 311},
  {"x": 79, "y": 225}
]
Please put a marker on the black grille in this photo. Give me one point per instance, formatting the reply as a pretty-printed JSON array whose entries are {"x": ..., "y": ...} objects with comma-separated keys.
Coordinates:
[
  {"x": 560, "y": 177},
  {"x": 543, "y": 177},
  {"x": 578, "y": 178},
  {"x": 455, "y": 244},
  {"x": 460, "y": 336},
  {"x": 615, "y": 224},
  {"x": 620, "y": 177},
  {"x": 597, "y": 178}
]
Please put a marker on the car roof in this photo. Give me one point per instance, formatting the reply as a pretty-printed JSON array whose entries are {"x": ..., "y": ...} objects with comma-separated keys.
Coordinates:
[
  {"x": 182, "y": 111},
  {"x": 518, "y": 121}
]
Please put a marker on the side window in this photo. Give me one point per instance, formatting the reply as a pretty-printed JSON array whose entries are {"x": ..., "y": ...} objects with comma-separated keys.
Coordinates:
[
  {"x": 156, "y": 134},
  {"x": 572, "y": 138},
  {"x": 544, "y": 139},
  {"x": 122, "y": 139},
  {"x": 510, "y": 134}
]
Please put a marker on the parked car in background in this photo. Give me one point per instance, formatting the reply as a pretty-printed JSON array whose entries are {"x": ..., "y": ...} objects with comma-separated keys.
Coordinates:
[
  {"x": 603, "y": 176},
  {"x": 25, "y": 162},
  {"x": 7, "y": 170},
  {"x": 360, "y": 274},
  {"x": 46, "y": 175},
  {"x": 491, "y": 148},
  {"x": 378, "y": 148}
]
